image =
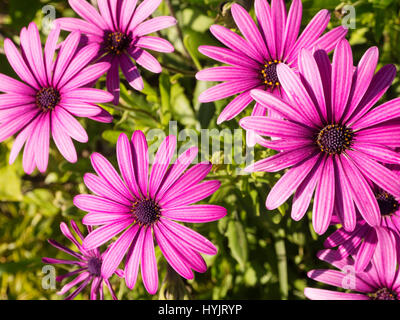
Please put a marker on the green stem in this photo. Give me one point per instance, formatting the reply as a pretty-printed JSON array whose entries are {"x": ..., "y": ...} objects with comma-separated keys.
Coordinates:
[{"x": 282, "y": 267}]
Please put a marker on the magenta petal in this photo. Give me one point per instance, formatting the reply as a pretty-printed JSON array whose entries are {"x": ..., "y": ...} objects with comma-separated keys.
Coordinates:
[
  {"x": 99, "y": 186},
  {"x": 10, "y": 85},
  {"x": 274, "y": 128},
  {"x": 125, "y": 163},
  {"x": 117, "y": 251},
  {"x": 149, "y": 263},
  {"x": 172, "y": 255},
  {"x": 304, "y": 193},
  {"x": 342, "y": 76},
  {"x": 155, "y": 44},
  {"x": 190, "y": 257},
  {"x": 195, "y": 213},
  {"x": 161, "y": 162},
  {"x": 70, "y": 125},
  {"x": 296, "y": 92},
  {"x": 366, "y": 251},
  {"x": 141, "y": 160},
  {"x": 225, "y": 73},
  {"x": 92, "y": 203},
  {"x": 322, "y": 294},
  {"x": 101, "y": 218},
  {"x": 309, "y": 69},
  {"x": 193, "y": 239},
  {"x": 378, "y": 86},
  {"x": 78, "y": 62},
  {"x": 191, "y": 177},
  {"x": 384, "y": 256},
  {"x": 101, "y": 235},
  {"x": 82, "y": 109},
  {"x": 270, "y": 101},
  {"x": 89, "y": 95},
  {"x": 88, "y": 75},
  {"x": 154, "y": 25},
  {"x": 236, "y": 106},
  {"x": 176, "y": 170},
  {"x": 329, "y": 40},
  {"x": 36, "y": 51},
  {"x": 105, "y": 169},
  {"x": 310, "y": 34},
  {"x": 88, "y": 12},
  {"x": 62, "y": 140},
  {"x": 83, "y": 276},
  {"x": 112, "y": 81},
  {"x": 67, "y": 51},
  {"x": 144, "y": 10},
  {"x": 292, "y": 26},
  {"x": 324, "y": 199},
  {"x": 362, "y": 193},
  {"x": 146, "y": 60},
  {"x": 249, "y": 29},
  {"x": 73, "y": 24},
  {"x": 332, "y": 277},
  {"x": 235, "y": 42},
  {"x": 229, "y": 57},
  {"x": 227, "y": 89},
  {"x": 21, "y": 139},
  {"x": 191, "y": 194},
  {"x": 281, "y": 160},
  {"x": 385, "y": 112},
  {"x": 363, "y": 76},
  {"x": 278, "y": 10},
  {"x": 382, "y": 176},
  {"x": 18, "y": 64},
  {"x": 132, "y": 264},
  {"x": 344, "y": 204},
  {"x": 131, "y": 72},
  {"x": 43, "y": 143},
  {"x": 288, "y": 183},
  {"x": 127, "y": 12}
]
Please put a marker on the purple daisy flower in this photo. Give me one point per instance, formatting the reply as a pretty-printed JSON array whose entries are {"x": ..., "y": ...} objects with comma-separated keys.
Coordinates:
[
  {"x": 49, "y": 97},
  {"x": 362, "y": 241},
  {"x": 253, "y": 60},
  {"x": 120, "y": 31},
  {"x": 381, "y": 280},
  {"x": 330, "y": 138},
  {"x": 89, "y": 264},
  {"x": 143, "y": 205}
]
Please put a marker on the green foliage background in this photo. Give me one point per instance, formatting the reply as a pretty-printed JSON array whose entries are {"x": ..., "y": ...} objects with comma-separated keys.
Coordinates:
[{"x": 262, "y": 254}]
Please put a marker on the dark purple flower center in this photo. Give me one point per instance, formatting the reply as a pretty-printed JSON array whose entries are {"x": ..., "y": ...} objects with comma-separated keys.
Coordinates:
[
  {"x": 146, "y": 211},
  {"x": 383, "y": 294},
  {"x": 47, "y": 98},
  {"x": 269, "y": 75},
  {"x": 334, "y": 139},
  {"x": 387, "y": 203},
  {"x": 94, "y": 266},
  {"x": 117, "y": 42}
]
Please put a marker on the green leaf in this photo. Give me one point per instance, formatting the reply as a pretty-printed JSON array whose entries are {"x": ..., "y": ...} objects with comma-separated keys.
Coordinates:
[
  {"x": 237, "y": 242},
  {"x": 10, "y": 191}
]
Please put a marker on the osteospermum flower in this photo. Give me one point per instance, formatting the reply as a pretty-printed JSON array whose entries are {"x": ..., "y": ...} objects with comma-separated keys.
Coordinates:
[
  {"x": 89, "y": 264},
  {"x": 330, "y": 138},
  {"x": 381, "y": 280},
  {"x": 143, "y": 206},
  {"x": 51, "y": 94},
  {"x": 362, "y": 241},
  {"x": 120, "y": 30},
  {"x": 253, "y": 59}
]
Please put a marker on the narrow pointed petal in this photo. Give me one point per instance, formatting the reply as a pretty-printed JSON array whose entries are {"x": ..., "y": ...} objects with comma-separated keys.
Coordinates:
[
  {"x": 149, "y": 263},
  {"x": 117, "y": 251},
  {"x": 195, "y": 213}
]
